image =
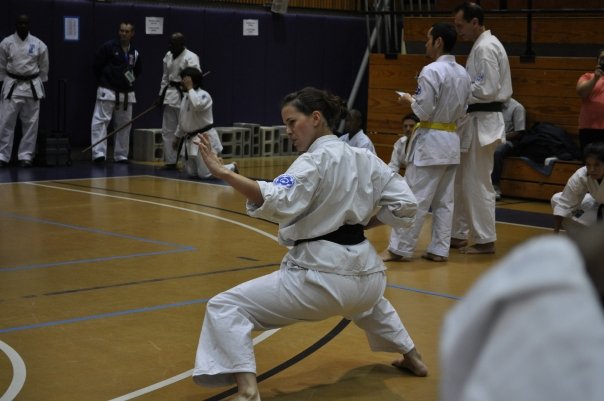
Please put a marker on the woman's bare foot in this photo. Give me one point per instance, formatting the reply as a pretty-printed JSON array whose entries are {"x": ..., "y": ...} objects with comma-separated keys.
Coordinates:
[
  {"x": 247, "y": 387},
  {"x": 479, "y": 249},
  {"x": 412, "y": 361}
]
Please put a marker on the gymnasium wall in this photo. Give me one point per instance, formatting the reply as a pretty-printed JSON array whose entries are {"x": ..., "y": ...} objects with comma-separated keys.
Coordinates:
[{"x": 249, "y": 75}]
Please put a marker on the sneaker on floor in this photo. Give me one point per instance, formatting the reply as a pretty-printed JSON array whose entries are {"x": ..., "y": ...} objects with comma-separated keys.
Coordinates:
[
  {"x": 123, "y": 161},
  {"x": 3, "y": 163},
  {"x": 99, "y": 160},
  {"x": 25, "y": 163}
]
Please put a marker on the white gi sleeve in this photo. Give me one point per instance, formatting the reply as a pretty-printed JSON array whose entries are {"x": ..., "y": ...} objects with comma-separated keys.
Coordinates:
[
  {"x": 200, "y": 100},
  {"x": 43, "y": 62},
  {"x": 485, "y": 86},
  {"x": 426, "y": 94},
  {"x": 290, "y": 194},
  {"x": 397, "y": 159},
  {"x": 165, "y": 79},
  {"x": 572, "y": 195},
  {"x": 398, "y": 204}
]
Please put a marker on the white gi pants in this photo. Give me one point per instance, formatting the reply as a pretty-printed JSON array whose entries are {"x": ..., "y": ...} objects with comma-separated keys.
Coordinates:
[
  {"x": 474, "y": 211},
  {"x": 433, "y": 187},
  {"x": 168, "y": 128},
  {"x": 104, "y": 110},
  {"x": 288, "y": 296},
  {"x": 28, "y": 110}
]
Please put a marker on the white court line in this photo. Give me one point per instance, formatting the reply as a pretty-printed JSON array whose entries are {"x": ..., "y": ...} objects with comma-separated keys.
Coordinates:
[
  {"x": 19, "y": 372},
  {"x": 246, "y": 226},
  {"x": 182, "y": 376}
]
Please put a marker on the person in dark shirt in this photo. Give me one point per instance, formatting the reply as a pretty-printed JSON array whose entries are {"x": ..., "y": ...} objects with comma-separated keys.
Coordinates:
[{"x": 116, "y": 66}]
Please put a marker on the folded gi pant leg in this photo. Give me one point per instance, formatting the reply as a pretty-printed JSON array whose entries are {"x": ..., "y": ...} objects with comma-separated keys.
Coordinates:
[{"x": 282, "y": 298}]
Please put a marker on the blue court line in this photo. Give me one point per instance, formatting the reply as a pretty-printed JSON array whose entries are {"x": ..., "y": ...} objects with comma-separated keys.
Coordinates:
[
  {"x": 436, "y": 294},
  {"x": 179, "y": 247},
  {"x": 173, "y": 305},
  {"x": 93, "y": 260},
  {"x": 102, "y": 316}
]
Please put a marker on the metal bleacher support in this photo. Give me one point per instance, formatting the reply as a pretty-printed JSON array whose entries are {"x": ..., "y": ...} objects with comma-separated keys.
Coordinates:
[{"x": 147, "y": 144}]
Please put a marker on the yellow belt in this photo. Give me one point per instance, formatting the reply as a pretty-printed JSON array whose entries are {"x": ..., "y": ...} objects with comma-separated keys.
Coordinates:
[{"x": 439, "y": 126}]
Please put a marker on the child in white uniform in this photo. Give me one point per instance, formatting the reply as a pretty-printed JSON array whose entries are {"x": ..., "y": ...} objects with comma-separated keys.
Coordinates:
[
  {"x": 580, "y": 203},
  {"x": 196, "y": 117}
]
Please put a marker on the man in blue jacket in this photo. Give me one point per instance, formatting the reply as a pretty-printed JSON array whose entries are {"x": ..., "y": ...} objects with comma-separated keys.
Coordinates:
[{"x": 116, "y": 66}]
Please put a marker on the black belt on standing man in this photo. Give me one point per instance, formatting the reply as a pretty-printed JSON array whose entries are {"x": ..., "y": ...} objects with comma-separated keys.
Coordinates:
[
  {"x": 23, "y": 78},
  {"x": 493, "y": 106}
]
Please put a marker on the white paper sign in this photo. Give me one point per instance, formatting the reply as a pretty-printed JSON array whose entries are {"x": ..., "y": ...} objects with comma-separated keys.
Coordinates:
[
  {"x": 250, "y": 27},
  {"x": 71, "y": 28},
  {"x": 154, "y": 25}
]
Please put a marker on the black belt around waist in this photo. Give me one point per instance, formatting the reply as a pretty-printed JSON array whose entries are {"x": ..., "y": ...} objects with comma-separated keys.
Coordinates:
[
  {"x": 493, "y": 106},
  {"x": 117, "y": 98},
  {"x": 22, "y": 78},
  {"x": 348, "y": 234},
  {"x": 188, "y": 135}
]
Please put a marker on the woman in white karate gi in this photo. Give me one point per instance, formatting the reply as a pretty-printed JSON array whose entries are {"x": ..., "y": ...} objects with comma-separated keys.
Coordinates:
[
  {"x": 322, "y": 204},
  {"x": 580, "y": 203}
]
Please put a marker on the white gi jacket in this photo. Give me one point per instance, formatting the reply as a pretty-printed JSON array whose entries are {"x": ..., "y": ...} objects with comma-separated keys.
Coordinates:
[
  {"x": 196, "y": 113},
  {"x": 489, "y": 70},
  {"x": 23, "y": 57},
  {"x": 531, "y": 328},
  {"x": 399, "y": 154},
  {"x": 441, "y": 97},
  {"x": 328, "y": 178},
  {"x": 359, "y": 140},
  {"x": 172, "y": 69},
  {"x": 573, "y": 198}
]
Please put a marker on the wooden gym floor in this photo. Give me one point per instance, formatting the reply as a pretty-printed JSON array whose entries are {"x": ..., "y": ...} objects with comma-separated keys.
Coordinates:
[{"x": 105, "y": 271}]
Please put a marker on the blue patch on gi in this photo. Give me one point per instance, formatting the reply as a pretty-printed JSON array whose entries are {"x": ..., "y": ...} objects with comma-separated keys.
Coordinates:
[
  {"x": 479, "y": 77},
  {"x": 418, "y": 91},
  {"x": 285, "y": 180}
]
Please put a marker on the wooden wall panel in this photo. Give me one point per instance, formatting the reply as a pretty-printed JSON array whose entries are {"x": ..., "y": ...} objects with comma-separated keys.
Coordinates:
[
  {"x": 449, "y": 5},
  {"x": 546, "y": 88},
  {"x": 511, "y": 29}
]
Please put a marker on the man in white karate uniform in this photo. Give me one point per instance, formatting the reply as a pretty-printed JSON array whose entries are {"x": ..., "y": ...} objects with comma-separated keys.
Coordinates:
[
  {"x": 355, "y": 136},
  {"x": 23, "y": 67},
  {"x": 440, "y": 100},
  {"x": 175, "y": 61},
  {"x": 481, "y": 132}
]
